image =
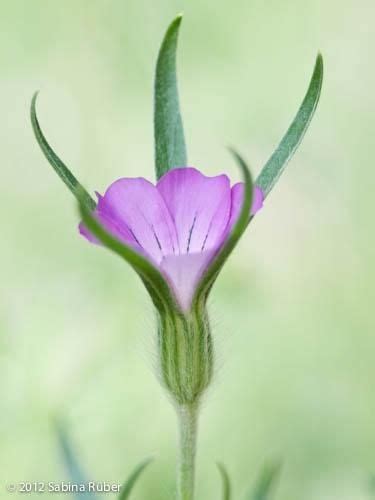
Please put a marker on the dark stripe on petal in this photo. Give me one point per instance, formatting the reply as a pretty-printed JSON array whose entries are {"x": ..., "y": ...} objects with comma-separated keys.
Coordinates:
[
  {"x": 134, "y": 236},
  {"x": 205, "y": 239},
  {"x": 190, "y": 233},
  {"x": 156, "y": 238}
]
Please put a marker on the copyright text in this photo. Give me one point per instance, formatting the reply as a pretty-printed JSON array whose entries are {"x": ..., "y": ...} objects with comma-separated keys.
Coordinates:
[{"x": 63, "y": 487}]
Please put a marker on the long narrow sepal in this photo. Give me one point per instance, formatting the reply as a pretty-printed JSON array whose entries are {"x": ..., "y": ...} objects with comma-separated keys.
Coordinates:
[
  {"x": 225, "y": 481},
  {"x": 170, "y": 149},
  {"x": 127, "y": 487},
  {"x": 73, "y": 467},
  {"x": 61, "y": 169},
  {"x": 150, "y": 275},
  {"x": 236, "y": 233},
  {"x": 288, "y": 145},
  {"x": 265, "y": 483}
]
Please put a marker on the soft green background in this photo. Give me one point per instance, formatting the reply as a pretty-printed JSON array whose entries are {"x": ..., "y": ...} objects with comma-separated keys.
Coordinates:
[{"x": 293, "y": 309}]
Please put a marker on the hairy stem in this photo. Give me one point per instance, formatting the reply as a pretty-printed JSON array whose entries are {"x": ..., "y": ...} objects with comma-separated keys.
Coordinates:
[{"x": 188, "y": 420}]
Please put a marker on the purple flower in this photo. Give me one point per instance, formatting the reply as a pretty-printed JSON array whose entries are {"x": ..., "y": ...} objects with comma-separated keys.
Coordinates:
[{"x": 179, "y": 225}]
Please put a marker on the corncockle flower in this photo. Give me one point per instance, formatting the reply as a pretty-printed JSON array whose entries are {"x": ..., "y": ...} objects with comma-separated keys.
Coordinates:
[
  {"x": 177, "y": 235},
  {"x": 179, "y": 225}
]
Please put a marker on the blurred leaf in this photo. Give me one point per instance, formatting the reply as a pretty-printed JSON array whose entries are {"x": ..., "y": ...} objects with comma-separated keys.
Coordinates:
[
  {"x": 61, "y": 169},
  {"x": 73, "y": 467},
  {"x": 265, "y": 482},
  {"x": 127, "y": 487},
  {"x": 170, "y": 149},
  {"x": 213, "y": 270},
  {"x": 276, "y": 164},
  {"x": 226, "y": 481},
  {"x": 371, "y": 484},
  {"x": 152, "y": 278}
]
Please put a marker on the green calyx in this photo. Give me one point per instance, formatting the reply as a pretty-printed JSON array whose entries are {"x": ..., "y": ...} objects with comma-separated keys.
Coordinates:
[{"x": 186, "y": 354}]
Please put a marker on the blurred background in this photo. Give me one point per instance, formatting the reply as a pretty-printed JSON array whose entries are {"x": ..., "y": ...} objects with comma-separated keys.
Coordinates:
[{"x": 292, "y": 311}]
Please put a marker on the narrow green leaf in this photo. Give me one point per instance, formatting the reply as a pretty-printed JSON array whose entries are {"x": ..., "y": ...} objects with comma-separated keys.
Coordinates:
[
  {"x": 60, "y": 168},
  {"x": 265, "y": 483},
  {"x": 150, "y": 275},
  {"x": 239, "y": 228},
  {"x": 152, "y": 278},
  {"x": 170, "y": 149},
  {"x": 276, "y": 164},
  {"x": 127, "y": 487},
  {"x": 225, "y": 480},
  {"x": 73, "y": 467}
]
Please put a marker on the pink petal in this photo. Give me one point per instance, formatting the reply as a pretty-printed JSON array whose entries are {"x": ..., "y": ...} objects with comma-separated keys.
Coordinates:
[
  {"x": 199, "y": 206},
  {"x": 237, "y": 199},
  {"x": 258, "y": 199},
  {"x": 120, "y": 232},
  {"x": 134, "y": 211},
  {"x": 184, "y": 272}
]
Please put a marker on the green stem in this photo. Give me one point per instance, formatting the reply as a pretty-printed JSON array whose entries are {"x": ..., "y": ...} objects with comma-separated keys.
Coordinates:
[{"x": 188, "y": 420}]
